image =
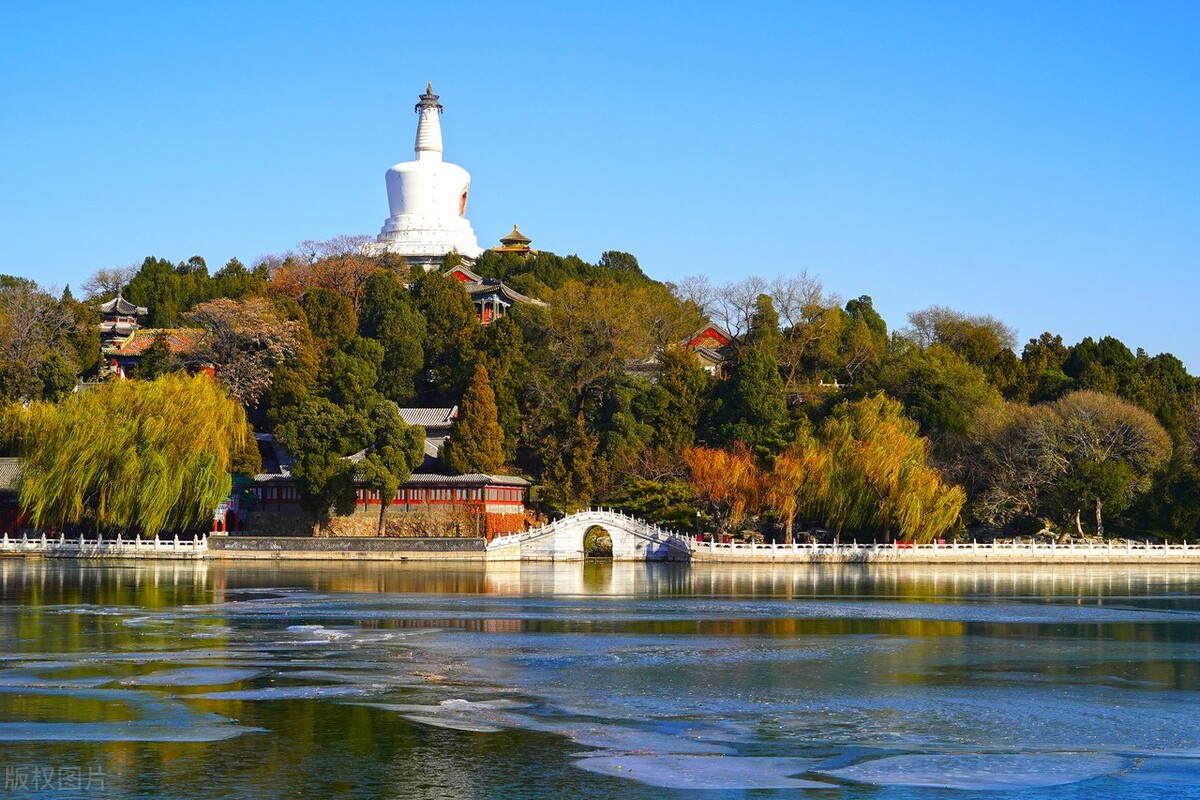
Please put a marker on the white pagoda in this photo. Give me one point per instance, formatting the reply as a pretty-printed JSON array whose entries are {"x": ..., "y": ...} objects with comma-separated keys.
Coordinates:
[{"x": 427, "y": 199}]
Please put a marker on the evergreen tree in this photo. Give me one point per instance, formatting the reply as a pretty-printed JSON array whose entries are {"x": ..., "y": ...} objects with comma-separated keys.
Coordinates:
[
  {"x": 673, "y": 403},
  {"x": 331, "y": 319},
  {"x": 501, "y": 348},
  {"x": 390, "y": 317},
  {"x": 450, "y": 329},
  {"x": 394, "y": 450},
  {"x": 156, "y": 360},
  {"x": 320, "y": 435},
  {"x": 477, "y": 441},
  {"x": 751, "y": 406}
]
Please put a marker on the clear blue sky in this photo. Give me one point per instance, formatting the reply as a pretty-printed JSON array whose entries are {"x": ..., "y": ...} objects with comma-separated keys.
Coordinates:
[{"x": 1035, "y": 161}]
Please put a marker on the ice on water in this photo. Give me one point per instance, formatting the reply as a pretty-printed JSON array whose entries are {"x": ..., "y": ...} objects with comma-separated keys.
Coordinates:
[
  {"x": 990, "y": 771},
  {"x": 704, "y": 772}
]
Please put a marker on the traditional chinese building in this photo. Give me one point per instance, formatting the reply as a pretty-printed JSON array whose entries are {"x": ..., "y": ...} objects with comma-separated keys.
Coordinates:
[
  {"x": 123, "y": 342},
  {"x": 497, "y": 502},
  {"x": 516, "y": 243},
  {"x": 123, "y": 355},
  {"x": 711, "y": 345},
  {"x": 11, "y": 517},
  {"x": 427, "y": 200},
  {"x": 118, "y": 320},
  {"x": 491, "y": 297}
]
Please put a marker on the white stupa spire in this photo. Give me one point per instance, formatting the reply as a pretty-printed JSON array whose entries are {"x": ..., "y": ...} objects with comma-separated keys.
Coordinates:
[
  {"x": 429, "y": 127},
  {"x": 427, "y": 198}
]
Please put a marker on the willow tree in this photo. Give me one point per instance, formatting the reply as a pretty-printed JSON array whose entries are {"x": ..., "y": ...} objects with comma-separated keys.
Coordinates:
[
  {"x": 874, "y": 475},
  {"x": 131, "y": 456},
  {"x": 729, "y": 481}
]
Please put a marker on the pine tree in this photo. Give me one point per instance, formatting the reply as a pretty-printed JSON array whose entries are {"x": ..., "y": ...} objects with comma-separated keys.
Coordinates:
[
  {"x": 751, "y": 406},
  {"x": 477, "y": 441}
]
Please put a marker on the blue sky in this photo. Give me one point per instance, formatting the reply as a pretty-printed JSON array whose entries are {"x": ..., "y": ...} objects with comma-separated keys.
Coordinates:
[{"x": 1034, "y": 161}]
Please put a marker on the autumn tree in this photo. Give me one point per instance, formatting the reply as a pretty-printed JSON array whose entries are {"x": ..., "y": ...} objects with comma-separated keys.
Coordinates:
[
  {"x": 876, "y": 477},
  {"x": 245, "y": 341},
  {"x": 793, "y": 478},
  {"x": 728, "y": 481}
]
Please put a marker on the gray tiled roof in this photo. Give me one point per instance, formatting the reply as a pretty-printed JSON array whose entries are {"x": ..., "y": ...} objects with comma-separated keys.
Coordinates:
[
  {"x": 10, "y": 474},
  {"x": 429, "y": 417},
  {"x": 119, "y": 305},
  {"x": 493, "y": 286},
  {"x": 473, "y": 479}
]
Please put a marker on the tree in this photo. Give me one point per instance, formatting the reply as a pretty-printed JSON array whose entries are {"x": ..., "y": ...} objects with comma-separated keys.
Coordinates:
[
  {"x": 245, "y": 341},
  {"x": 107, "y": 282},
  {"x": 321, "y": 436},
  {"x": 331, "y": 319},
  {"x": 981, "y": 340},
  {"x": 501, "y": 348},
  {"x": 477, "y": 441},
  {"x": 672, "y": 405},
  {"x": 334, "y": 266},
  {"x": 450, "y": 329},
  {"x": 938, "y": 387},
  {"x": 235, "y": 282},
  {"x": 728, "y": 481},
  {"x": 296, "y": 377},
  {"x": 158, "y": 360},
  {"x": 394, "y": 450},
  {"x": 131, "y": 455},
  {"x": 1008, "y": 460},
  {"x": 788, "y": 480},
  {"x": 751, "y": 407},
  {"x": 875, "y": 475},
  {"x": 390, "y": 317},
  {"x": 1113, "y": 450}
]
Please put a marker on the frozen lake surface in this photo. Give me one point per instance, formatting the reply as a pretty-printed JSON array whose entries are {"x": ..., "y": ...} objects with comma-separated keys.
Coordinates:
[{"x": 598, "y": 681}]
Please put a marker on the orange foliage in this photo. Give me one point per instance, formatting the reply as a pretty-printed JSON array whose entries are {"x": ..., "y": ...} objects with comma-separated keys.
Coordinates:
[
  {"x": 729, "y": 480},
  {"x": 345, "y": 274}
]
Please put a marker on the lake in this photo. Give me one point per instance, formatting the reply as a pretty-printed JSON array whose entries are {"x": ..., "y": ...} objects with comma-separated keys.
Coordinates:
[{"x": 598, "y": 680}]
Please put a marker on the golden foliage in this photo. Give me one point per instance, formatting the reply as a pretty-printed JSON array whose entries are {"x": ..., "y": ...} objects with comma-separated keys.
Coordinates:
[{"x": 131, "y": 456}]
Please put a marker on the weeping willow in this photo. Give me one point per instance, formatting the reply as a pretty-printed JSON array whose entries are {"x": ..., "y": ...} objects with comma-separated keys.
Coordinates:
[
  {"x": 874, "y": 475},
  {"x": 130, "y": 456}
]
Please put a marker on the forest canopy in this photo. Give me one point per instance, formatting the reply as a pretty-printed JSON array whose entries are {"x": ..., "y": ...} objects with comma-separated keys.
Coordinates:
[{"x": 816, "y": 415}]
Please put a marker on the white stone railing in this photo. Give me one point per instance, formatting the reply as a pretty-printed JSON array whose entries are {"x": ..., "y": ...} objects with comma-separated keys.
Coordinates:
[
  {"x": 80, "y": 547},
  {"x": 903, "y": 549}
]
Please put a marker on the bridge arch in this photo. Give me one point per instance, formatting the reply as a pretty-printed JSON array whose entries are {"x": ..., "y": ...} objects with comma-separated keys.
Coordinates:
[{"x": 597, "y": 542}]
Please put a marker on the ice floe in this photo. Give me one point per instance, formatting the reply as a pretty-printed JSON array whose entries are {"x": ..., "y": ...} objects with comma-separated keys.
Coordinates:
[
  {"x": 986, "y": 771},
  {"x": 674, "y": 771}
]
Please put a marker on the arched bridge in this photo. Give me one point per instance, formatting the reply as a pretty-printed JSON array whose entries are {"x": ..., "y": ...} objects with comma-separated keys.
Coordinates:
[{"x": 562, "y": 540}]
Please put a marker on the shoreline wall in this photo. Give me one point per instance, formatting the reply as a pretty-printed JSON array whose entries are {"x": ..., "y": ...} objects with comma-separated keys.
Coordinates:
[{"x": 346, "y": 548}]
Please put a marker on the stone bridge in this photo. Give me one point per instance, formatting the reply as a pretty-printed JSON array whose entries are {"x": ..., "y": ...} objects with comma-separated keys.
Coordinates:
[{"x": 562, "y": 540}]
